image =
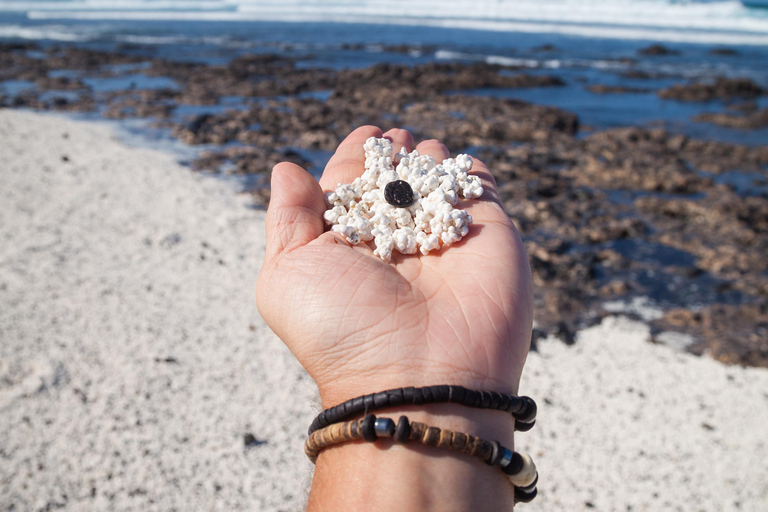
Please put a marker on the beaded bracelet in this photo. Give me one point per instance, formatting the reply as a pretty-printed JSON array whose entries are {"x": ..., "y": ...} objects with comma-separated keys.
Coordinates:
[
  {"x": 522, "y": 408},
  {"x": 519, "y": 467}
]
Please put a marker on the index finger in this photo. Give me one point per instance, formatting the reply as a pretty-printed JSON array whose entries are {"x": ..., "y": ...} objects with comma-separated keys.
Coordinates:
[{"x": 348, "y": 162}]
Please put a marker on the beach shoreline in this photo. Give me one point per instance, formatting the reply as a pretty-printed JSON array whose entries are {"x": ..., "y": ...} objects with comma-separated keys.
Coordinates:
[{"x": 134, "y": 364}]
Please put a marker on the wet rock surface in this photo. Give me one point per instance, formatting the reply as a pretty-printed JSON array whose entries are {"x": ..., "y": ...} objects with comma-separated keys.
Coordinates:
[
  {"x": 744, "y": 121},
  {"x": 730, "y": 52},
  {"x": 732, "y": 334},
  {"x": 657, "y": 49},
  {"x": 616, "y": 89},
  {"x": 725, "y": 89},
  {"x": 246, "y": 160},
  {"x": 611, "y": 216},
  {"x": 636, "y": 212}
]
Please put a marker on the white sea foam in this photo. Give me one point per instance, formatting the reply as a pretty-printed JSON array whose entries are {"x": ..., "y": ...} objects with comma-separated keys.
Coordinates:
[
  {"x": 96, "y": 5},
  {"x": 136, "y": 39},
  {"x": 51, "y": 32},
  {"x": 717, "y": 22}
]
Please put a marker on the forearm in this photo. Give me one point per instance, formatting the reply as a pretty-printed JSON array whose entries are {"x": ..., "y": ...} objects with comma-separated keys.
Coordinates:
[{"x": 387, "y": 476}]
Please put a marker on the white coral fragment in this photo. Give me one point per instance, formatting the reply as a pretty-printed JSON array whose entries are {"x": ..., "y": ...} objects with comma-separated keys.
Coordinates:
[{"x": 361, "y": 213}]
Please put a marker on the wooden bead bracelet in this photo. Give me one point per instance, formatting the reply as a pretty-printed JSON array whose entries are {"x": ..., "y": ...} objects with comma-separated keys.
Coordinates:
[
  {"x": 519, "y": 467},
  {"x": 522, "y": 408}
]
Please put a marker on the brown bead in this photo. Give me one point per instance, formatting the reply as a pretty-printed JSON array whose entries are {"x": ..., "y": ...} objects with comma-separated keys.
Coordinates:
[
  {"x": 460, "y": 442},
  {"x": 446, "y": 439},
  {"x": 431, "y": 436},
  {"x": 417, "y": 431}
]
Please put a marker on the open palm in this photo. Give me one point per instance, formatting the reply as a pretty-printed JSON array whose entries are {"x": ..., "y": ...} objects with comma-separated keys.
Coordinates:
[{"x": 461, "y": 315}]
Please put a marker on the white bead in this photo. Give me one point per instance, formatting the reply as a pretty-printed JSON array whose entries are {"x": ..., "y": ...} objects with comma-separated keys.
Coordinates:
[{"x": 527, "y": 475}]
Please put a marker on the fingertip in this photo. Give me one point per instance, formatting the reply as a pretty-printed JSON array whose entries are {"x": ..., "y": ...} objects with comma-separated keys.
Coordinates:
[
  {"x": 283, "y": 168},
  {"x": 348, "y": 162},
  {"x": 400, "y": 138},
  {"x": 433, "y": 148},
  {"x": 293, "y": 186},
  {"x": 361, "y": 134},
  {"x": 280, "y": 170}
]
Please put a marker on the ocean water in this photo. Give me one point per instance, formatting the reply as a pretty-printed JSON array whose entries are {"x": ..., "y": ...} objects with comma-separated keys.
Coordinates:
[{"x": 585, "y": 42}]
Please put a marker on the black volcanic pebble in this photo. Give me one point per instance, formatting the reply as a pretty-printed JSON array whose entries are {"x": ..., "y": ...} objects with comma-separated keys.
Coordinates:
[
  {"x": 399, "y": 193},
  {"x": 249, "y": 440}
]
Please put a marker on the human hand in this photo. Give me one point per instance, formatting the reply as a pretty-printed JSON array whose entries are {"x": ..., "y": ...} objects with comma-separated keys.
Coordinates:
[{"x": 461, "y": 315}]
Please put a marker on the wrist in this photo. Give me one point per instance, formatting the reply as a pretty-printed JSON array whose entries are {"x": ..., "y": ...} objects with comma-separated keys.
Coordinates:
[{"x": 388, "y": 476}]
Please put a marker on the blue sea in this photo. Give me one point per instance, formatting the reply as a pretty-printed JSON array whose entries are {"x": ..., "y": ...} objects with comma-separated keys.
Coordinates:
[
  {"x": 585, "y": 42},
  {"x": 702, "y": 21}
]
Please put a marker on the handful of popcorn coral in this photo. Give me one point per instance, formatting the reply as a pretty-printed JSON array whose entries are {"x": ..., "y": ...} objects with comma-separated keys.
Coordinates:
[{"x": 407, "y": 208}]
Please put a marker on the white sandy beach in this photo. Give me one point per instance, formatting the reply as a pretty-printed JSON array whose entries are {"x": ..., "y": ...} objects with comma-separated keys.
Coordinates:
[{"x": 133, "y": 360}]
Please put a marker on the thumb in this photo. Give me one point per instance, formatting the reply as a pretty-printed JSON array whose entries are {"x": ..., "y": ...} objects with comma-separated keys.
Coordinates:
[{"x": 295, "y": 213}]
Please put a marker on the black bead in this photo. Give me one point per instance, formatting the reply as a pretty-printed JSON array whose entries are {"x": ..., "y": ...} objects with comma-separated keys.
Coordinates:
[
  {"x": 495, "y": 400},
  {"x": 456, "y": 394},
  {"x": 330, "y": 416},
  {"x": 524, "y": 497},
  {"x": 427, "y": 394},
  {"x": 369, "y": 404},
  {"x": 358, "y": 406},
  {"x": 395, "y": 397},
  {"x": 504, "y": 405},
  {"x": 486, "y": 399},
  {"x": 418, "y": 398},
  {"x": 440, "y": 394},
  {"x": 399, "y": 193},
  {"x": 381, "y": 400},
  {"x": 402, "y": 430},
  {"x": 469, "y": 397},
  {"x": 495, "y": 455},
  {"x": 369, "y": 428},
  {"x": 529, "y": 413},
  {"x": 408, "y": 395},
  {"x": 515, "y": 465},
  {"x": 516, "y": 404},
  {"x": 524, "y": 427}
]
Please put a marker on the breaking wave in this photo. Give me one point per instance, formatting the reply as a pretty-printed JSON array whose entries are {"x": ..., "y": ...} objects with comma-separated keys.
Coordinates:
[{"x": 710, "y": 22}]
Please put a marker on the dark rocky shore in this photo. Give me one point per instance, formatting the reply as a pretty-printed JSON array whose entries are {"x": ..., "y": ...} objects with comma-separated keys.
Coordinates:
[{"x": 609, "y": 216}]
